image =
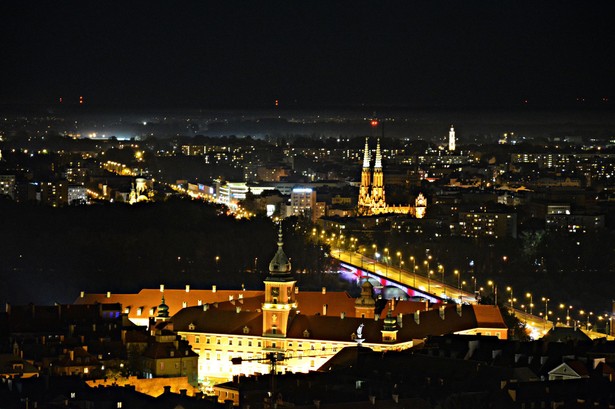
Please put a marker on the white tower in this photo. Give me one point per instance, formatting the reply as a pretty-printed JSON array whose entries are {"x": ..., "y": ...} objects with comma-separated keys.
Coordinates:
[{"x": 451, "y": 139}]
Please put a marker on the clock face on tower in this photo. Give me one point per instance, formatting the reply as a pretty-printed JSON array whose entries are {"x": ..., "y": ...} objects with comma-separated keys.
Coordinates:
[{"x": 275, "y": 291}]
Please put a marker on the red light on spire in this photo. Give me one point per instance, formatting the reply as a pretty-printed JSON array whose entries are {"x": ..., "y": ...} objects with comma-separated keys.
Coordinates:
[
  {"x": 374, "y": 122},
  {"x": 277, "y": 103},
  {"x": 81, "y": 100}
]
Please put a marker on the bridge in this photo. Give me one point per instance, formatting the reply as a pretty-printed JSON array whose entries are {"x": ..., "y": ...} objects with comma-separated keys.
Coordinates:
[{"x": 416, "y": 285}]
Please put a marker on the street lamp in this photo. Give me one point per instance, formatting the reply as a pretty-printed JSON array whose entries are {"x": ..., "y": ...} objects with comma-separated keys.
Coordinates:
[
  {"x": 441, "y": 268},
  {"x": 495, "y": 291},
  {"x": 413, "y": 269},
  {"x": 512, "y": 299},
  {"x": 429, "y": 273},
  {"x": 529, "y": 295},
  {"x": 456, "y": 272},
  {"x": 546, "y": 301},
  {"x": 218, "y": 263}
]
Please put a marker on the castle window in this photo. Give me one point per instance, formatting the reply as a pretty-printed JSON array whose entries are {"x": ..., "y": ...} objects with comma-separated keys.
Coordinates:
[{"x": 197, "y": 339}]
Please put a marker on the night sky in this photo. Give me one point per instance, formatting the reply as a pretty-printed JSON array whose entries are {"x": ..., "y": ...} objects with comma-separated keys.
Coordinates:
[{"x": 307, "y": 53}]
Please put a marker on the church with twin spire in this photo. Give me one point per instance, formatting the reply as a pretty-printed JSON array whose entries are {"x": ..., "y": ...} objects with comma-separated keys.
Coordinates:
[{"x": 371, "y": 191}]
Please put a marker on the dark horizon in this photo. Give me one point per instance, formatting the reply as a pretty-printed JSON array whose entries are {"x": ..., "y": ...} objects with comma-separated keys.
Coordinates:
[{"x": 208, "y": 54}]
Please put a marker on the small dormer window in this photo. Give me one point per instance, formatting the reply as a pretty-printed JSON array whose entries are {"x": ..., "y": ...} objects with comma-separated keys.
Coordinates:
[
  {"x": 306, "y": 334},
  {"x": 246, "y": 330},
  {"x": 353, "y": 336},
  {"x": 191, "y": 327}
]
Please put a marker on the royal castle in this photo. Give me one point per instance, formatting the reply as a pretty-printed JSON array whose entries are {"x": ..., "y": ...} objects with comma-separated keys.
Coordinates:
[{"x": 371, "y": 192}]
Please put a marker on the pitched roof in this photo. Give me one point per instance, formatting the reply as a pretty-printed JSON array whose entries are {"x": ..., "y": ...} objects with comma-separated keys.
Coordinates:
[{"x": 149, "y": 299}]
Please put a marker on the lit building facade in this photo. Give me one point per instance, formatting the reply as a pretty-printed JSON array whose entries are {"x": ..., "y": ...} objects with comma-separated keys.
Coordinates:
[
  {"x": 372, "y": 199},
  {"x": 304, "y": 329},
  {"x": 303, "y": 203}
]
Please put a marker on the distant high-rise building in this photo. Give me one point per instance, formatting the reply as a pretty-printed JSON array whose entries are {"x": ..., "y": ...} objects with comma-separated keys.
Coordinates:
[
  {"x": 303, "y": 202},
  {"x": 451, "y": 139}
]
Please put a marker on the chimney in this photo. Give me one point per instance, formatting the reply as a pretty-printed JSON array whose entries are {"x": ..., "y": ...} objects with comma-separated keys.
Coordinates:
[
  {"x": 108, "y": 294},
  {"x": 231, "y": 297},
  {"x": 213, "y": 288},
  {"x": 199, "y": 302},
  {"x": 324, "y": 290},
  {"x": 238, "y": 309},
  {"x": 296, "y": 290},
  {"x": 205, "y": 307},
  {"x": 82, "y": 294},
  {"x": 183, "y": 392},
  {"x": 161, "y": 288},
  {"x": 167, "y": 389},
  {"x": 187, "y": 288},
  {"x": 342, "y": 315},
  {"x": 240, "y": 296},
  {"x": 376, "y": 317},
  {"x": 324, "y": 309},
  {"x": 417, "y": 316}
]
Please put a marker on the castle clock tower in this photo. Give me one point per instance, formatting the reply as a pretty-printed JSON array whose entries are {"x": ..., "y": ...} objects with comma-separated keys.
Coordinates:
[{"x": 280, "y": 298}]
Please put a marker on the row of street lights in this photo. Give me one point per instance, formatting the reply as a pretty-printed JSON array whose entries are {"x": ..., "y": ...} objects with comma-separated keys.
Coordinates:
[{"x": 429, "y": 273}]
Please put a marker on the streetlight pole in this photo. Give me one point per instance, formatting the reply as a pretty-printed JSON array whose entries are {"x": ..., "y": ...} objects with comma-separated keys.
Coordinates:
[
  {"x": 495, "y": 291},
  {"x": 546, "y": 301},
  {"x": 456, "y": 272},
  {"x": 400, "y": 263},
  {"x": 429, "y": 273},
  {"x": 441, "y": 268},
  {"x": 529, "y": 295},
  {"x": 413, "y": 269},
  {"x": 512, "y": 298}
]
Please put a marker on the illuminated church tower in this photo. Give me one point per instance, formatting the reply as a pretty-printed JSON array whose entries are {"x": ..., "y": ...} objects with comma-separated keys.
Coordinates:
[
  {"x": 378, "y": 201},
  {"x": 279, "y": 298},
  {"x": 366, "y": 177},
  {"x": 451, "y": 139}
]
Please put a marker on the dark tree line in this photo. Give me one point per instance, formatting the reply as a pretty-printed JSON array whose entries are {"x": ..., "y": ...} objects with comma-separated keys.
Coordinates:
[{"x": 51, "y": 254}]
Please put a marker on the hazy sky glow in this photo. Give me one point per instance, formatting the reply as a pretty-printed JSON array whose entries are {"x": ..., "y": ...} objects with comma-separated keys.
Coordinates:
[{"x": 247, "y": 54}]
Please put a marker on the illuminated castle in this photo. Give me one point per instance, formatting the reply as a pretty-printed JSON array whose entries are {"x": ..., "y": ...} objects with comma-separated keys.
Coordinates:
[
  {"x": 371, "y": 192},
  {"x": 233, "y": 331}
]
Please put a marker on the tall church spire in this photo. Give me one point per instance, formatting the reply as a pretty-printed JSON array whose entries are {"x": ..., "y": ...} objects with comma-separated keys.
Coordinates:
[
  {"x": 451, "y": 139},
  {"x": 366, "y": 155},
  {"x": 378, "y": 163}
]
